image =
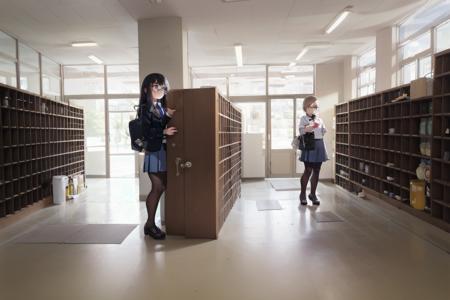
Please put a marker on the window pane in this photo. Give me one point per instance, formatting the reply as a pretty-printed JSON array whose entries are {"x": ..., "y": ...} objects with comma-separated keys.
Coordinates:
[
  {"x": 425, "y": 67},
  {"x": 51, "y": 79},
  {"x": 254, "y": 118},
  {"x": 82, "y": 80},
  {"x": 417, "y": 46},
  {"x": 123, "y": 79},
  {"x": 122, "y": 105},
  {"x": 29, "y": 79},
  {"x": 367, "y": 58},
  {"x": 248, "y": 81},
  {"x": 29, "y": 69},
  {"x": 372, "y": 75},
  {"x": 220, "y": 83},
  {"x": 409, "y": 72},
  {"x": 363, "y": 91},
  {"x": 364, "y": 78},
  {"x": 7, "y": 45},
  {"x": 28, "y": 56},
  {"x": 94, "y": 135},
  {"x": 291, "y": 80},
  {"x": 424, "y": 18},
  {"x": 443, "y": 36},
  {"x": 8, "y": 72},
  {"x": 282, "y": 123},
  {"x": 299, "y": 113}
]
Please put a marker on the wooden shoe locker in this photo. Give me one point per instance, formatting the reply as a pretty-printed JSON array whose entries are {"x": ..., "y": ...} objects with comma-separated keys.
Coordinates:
[
  {"x": 39, "y": 138},
  {"x": 440, "y": 205},
  {"x": 203, "y": 162},
  {"x": 382, "y": 138}
]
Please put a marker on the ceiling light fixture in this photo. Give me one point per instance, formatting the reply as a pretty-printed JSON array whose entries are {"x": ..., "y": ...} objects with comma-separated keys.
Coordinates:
[
  {"x": 338, "y": 19},
  {"x": 238, "y": 52},
  {"x": 84, "y": 44},
  {"x": 95, "y": 59},
  {"x": 292, "y": 64},
  {"x": 302, "y": 53}
]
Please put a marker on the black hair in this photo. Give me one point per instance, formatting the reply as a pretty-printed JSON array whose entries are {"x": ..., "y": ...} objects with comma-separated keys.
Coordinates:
[{"x": 146, "y": 85}]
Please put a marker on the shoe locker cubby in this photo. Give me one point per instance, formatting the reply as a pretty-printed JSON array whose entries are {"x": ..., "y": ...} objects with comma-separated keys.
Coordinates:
[
  {"x": 342, "y": 146},
  {"x": 230, "y": 143},
  {"x": 40, "y": 138},
  {"x": 389, "y": 135}
]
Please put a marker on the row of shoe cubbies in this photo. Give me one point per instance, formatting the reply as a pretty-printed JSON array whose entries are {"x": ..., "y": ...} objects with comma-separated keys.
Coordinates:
[
  {"x": 230, "y": 143},
  {"x": 382, "y": 138},
  {"x": 40, "y": 138}
]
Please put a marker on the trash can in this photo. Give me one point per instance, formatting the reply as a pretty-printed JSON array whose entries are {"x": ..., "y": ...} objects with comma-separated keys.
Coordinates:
[
  {"x": 59, "y": 184},
  {"x": 417, "y": 194}
]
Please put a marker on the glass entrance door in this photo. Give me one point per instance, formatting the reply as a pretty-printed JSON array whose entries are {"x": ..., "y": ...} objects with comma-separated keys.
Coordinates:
[
  {"x": 284, "y": 119},
  {"x": 253, "y": 139},
  {"x": 95, "y": 132},
  {"x": 122, "y": 159}
]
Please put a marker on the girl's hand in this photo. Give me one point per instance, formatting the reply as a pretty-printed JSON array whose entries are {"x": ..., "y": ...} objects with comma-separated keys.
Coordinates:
[
  {"x": 170, "y": 131},
  {"x": 309, "y": 128},
  {"x": 170, "y": 112}
]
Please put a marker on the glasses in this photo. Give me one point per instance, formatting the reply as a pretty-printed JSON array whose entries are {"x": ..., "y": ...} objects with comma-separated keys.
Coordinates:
[{"x": 159, "y": 87}]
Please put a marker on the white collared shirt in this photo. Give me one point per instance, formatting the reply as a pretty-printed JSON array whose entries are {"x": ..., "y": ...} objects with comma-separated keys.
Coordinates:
[{"x": 319, "y": 132}]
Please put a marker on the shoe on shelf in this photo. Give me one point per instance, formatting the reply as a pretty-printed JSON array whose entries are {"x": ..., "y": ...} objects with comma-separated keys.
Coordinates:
[{"x": 314, "y": 199}]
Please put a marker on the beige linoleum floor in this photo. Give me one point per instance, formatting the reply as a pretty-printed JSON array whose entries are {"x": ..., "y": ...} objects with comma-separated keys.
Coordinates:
[{"x": 378, "y": 252}]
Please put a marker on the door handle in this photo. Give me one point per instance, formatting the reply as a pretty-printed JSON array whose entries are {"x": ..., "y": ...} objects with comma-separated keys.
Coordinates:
[
  {"x": 186, "y": 165},
  {"x": 179, "y": 164}
]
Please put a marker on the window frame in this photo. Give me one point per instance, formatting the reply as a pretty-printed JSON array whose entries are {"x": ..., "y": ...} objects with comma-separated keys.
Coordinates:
[
  {"x": 363, "y": 69},
  {"x": 432, "y": 29}
]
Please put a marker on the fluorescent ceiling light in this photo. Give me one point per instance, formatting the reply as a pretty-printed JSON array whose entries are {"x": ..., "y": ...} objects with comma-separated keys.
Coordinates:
[
  {"x": 238, "y": 52},
  {"x": 338, "y": 20},
  {"x": 302, "y": 53},
  {"x": 292, "y": 64},
  {"x": 84, "y": 44},
  {"x": 95, "y": 59}
]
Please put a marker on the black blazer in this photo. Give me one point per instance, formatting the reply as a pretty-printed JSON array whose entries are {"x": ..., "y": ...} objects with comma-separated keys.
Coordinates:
[{"x": 153, "y": 126}]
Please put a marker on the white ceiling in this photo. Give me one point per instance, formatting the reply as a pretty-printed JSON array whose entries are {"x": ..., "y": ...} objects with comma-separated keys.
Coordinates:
[{"x": 271, "y": 31}]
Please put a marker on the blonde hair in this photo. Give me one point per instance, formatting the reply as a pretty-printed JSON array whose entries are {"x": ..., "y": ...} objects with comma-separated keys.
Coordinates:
[{"x": 308, "y": 101}]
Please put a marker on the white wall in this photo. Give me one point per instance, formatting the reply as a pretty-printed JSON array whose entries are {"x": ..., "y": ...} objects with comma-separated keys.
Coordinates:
[
  {"x": 329, "y": 91},
  {"x": 350, "y": 79}
]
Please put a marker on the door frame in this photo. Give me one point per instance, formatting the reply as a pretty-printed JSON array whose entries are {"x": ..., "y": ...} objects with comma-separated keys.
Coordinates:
[{"x": 267, "y": 100}]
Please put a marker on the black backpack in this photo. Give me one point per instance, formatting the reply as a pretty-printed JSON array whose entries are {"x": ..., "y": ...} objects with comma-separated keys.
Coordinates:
[{"x": 136, "y": 132}]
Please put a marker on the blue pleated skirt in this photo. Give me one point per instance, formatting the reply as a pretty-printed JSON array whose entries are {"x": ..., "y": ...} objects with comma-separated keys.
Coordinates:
[
  {"x": 319, "y": 154},
  {"x": 155, "y": 162}
]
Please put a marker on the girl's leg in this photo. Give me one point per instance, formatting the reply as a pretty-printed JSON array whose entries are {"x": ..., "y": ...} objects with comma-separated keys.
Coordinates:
[
  {"x": 304, "y": 181},
  {"x": 158, "y": 186},
  {"x": 315, "y": 179}
]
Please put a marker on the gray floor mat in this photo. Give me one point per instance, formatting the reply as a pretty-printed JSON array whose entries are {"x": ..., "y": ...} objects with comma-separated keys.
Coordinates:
[
  {"x": 77, "y": 234},
  {"x": 285, "y": 184},
  {"x": 326, "y": 216},
  {"x": 268, "y": 205}
]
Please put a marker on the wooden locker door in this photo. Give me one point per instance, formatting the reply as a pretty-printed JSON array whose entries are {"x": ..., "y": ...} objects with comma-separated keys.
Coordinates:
[
  {"x": 200, "y": 121},
  {"x": 175, "y": 201}
]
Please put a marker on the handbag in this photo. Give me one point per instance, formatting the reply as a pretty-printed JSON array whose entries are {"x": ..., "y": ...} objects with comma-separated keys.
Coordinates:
[
  {"x": 136, "y": 132},
  {"x": 304, "y": 142}
]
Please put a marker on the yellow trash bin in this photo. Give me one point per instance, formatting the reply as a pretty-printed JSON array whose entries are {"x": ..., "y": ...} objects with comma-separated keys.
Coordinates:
[{"x": 417, "y": 194}]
